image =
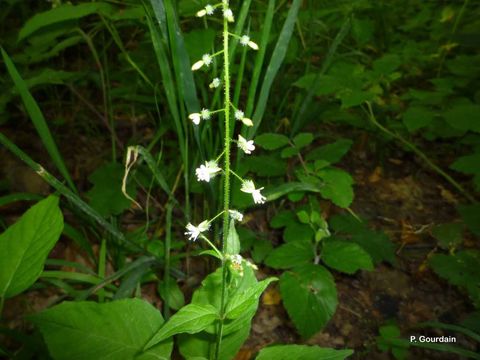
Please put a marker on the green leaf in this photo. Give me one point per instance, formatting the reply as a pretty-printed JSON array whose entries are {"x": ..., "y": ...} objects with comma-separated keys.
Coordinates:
[
  {"x": 295, "y": 232},
  {"x": 301, "y": 352},
  {"x": 345, "y": 256},
  {"x": 106, "y": 195},
  {"x": 337, "y": 187},
  {"x": 467, "y": 164},
  {"x": 461, "y": 269},
  {"x": 116, "y": 330},
  {"x": 310, "y": 297},
  {"x": 62, "y": 13},
  {"x": 232, "y": 247},
  {"x": 331, "y": 153},
  {"x": 271, "y": 141},
  {"x": 171, "y": 294},
  {"x": 190, "y": 319},
  {"x": 417, "y": 117},
  {"x": 242, "y": 301},
  {"x": 25, "y": 245},
  {"x": 265, "y": 165},
  {"x": 290, "y": 255},
  {"x": 464, "y": 116},
  {"x": 386, "y": 64},
  {"x": 377, "y": 244},
  {"x": 275, "y": 192},
  {"x": 282, "y": 219},
  {"x": 302, "y": 140},
  {"x": 448, "y": 235}
]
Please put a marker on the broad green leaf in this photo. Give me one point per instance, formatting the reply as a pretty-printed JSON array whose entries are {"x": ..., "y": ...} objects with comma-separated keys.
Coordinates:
[
  {"x": 271, "y": 141},
  {"x": 448, "y": 235},
  {"x": 353, "y": 98},
  {"x": 116, "y": 330},
  {"x": 469, "y": 164},
  {"x": 310, "y": 297},
  {"x": 289, "y": 255},
  {"x": 243, "y": 300},
  {"x": 331, "y": 153},
  {"x": 417, "y": 117},
  {"x": 295, "y": 232},
  {"x": 25, "y": 245},
  {"x": 301, "y": 352},
  {"x": 464, "y": 116},
  {"x": 232, "y": 247},
  {"x": 282, "y": 219},
  {"x": 346, "y": 256},
  {"x": 106, "y": 195},
  {"x": 190, "y": 319},
  {"x": 386, "y": 64},
  {"x": 289, "y": 152},
  {"x": 171, "y": 294},
  {"x": 61, "y": 13},
  {"x": 377, "y": 244},
  {"x": 337, "y": 186},
  {"x": 302, "y": 140}
]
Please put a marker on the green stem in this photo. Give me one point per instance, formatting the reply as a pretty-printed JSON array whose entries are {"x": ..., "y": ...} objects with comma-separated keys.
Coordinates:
[
  {"x": 226, "y": 184},
  {"x": 420, "y": 154}
]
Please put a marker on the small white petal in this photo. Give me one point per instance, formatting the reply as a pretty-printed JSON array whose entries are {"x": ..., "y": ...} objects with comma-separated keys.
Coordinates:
[
  {"x": 248, "y": 186},
  {"x": 247, "y": 121},
  {"x": 198, "y": 65},
  {"x": 195, "y": 117},
  {"x": 201, "y": 13},
  {"x": 253, "y": 45}
]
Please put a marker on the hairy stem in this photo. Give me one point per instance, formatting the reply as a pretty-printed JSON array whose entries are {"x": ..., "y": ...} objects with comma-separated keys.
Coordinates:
[{"x": 226, "y": 183}]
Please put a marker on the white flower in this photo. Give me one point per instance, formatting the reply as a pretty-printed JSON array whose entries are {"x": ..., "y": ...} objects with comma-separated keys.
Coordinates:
[
  {"x": 236, "y": 259},
  {"x": 228, "y": 14},
  {"x": 236, "y": 215},
  {"x": 205, "y": 114},
  {"x": 239, "y": 114},
  {"x": 215, "y": 83},
  {"x": 198, "y": 65},
  {"x": 195, "y": 117},
  {"x": 194, "y": 232},
  {"x": 249, "y": 187},
  {"x": 246, "y": 146},
  {"x": 245, "y": 40},
  {"x": 207, "y": 171},
  {"x": 207, "y": 59},
  {"x": 209, "y": 9}
]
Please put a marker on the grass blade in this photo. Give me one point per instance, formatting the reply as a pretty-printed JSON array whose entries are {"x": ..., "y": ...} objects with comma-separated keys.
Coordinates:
[
  {"x": 38, "y": 119},
  {"x": 276, "y": 61}
]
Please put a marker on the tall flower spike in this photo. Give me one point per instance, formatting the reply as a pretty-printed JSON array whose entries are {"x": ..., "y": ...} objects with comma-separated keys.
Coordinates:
[
  {"x": 249, "y": 187},
  {"x": 246, "y": 146},
  {"x": 193, "y": 232},
  {"x": 207, "y": 171}
]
